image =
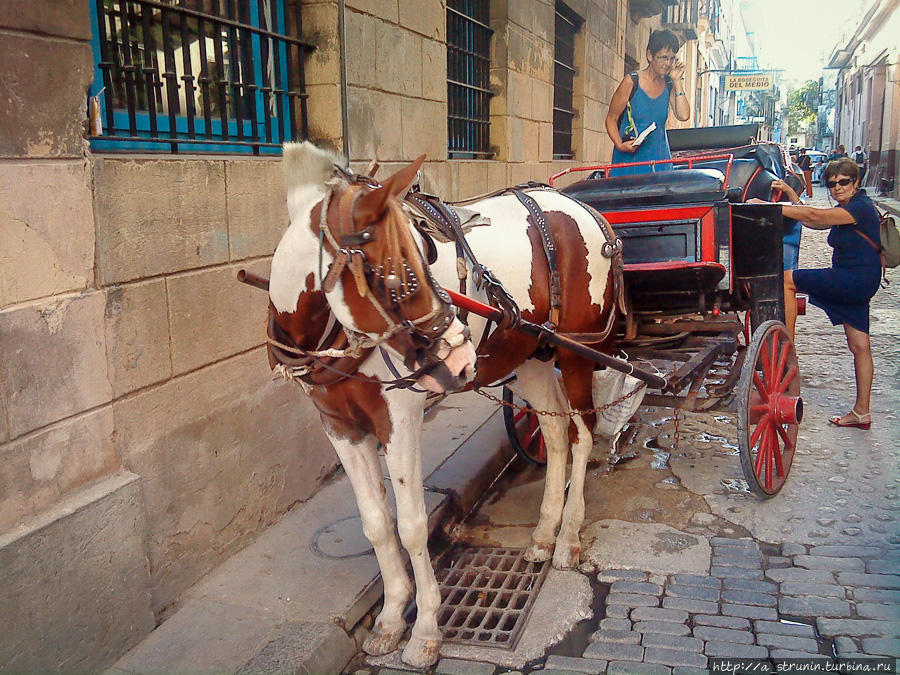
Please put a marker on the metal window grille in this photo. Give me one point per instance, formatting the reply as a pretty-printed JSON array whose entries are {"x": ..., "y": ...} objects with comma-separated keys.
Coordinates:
[
  {"x": 198, "y": 75},
  {"x": 567, "y": 25},
  {"x": 468, "y": 78}
]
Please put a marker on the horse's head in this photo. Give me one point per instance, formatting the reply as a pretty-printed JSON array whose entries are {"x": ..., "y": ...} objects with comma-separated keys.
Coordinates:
[{"x": 378, "y": 284}]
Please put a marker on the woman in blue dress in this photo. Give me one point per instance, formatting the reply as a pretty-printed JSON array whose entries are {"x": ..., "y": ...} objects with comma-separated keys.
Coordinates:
[
  {"x": 659, "y": 86},
  {"x": 844, "y": 289}
]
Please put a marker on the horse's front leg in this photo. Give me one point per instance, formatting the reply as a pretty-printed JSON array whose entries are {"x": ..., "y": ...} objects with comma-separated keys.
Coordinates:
[
  {"x": 577, "y": 382},
  {"x": 404, "y": 461},
  {"x": 360, "y": 462},
  {"x": 540, "y": 387}
]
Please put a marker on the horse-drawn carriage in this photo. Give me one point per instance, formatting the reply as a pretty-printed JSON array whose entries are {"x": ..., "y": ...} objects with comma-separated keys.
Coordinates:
[
  {"x": 703, "y": 274},
  {"x": 361, "y": 316}
]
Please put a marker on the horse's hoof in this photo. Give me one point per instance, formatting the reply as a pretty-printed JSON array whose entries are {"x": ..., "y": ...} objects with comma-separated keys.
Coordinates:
[
  {"x": 566, "y": 557},
  {"x": 420, "y": 653},
  {"x": 379, "y": 644},
  {"x": 538, "y": 552}
]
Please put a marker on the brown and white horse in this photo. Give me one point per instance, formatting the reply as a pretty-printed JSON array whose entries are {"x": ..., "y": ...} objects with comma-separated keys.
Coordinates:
[{"x": 351, "y": 253}]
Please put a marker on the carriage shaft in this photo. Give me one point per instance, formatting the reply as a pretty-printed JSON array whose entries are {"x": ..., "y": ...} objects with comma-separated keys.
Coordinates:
[{"x": 551, "y": 337}]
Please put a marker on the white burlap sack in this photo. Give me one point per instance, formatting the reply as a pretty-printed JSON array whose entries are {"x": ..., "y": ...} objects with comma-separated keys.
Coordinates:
[{"x": 609, "y": 385}]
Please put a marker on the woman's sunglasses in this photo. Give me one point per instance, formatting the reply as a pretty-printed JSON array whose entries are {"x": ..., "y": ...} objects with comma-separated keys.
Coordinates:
[{"x": 843, "y": 182}]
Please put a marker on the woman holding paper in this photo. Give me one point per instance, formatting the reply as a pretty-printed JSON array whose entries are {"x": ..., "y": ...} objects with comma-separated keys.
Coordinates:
[{"x": 642, "y": 101}]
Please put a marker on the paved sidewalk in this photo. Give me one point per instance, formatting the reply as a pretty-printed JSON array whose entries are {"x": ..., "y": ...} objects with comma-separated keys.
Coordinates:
[{"x": 292, "y": 600}]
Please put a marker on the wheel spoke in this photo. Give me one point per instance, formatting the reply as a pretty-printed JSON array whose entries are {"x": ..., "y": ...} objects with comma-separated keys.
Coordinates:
[
  {"x": 542, "y": 450},
  {"x": 776, "y": 454},
  {"x": 760, "y": 460},
  {"x": 760, "y": 427},
  {"x": 519, "y": 415},
  {"x": 768, "y": 442},
  {"x": 785, "y": 383},
  {"x": 782, "y": 360},
  {"x": 770, "y": 356},
  {"x": 763, "y": 362},
  {"x": 760, "y": 387},
  {"x": 788, "y": 443}
]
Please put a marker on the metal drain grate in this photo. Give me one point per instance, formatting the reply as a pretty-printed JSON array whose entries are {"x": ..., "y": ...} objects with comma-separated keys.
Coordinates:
[{"x": 487, "y": 594}]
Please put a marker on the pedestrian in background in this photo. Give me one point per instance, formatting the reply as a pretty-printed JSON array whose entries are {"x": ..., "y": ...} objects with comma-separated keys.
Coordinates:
[
  {"x": 644, "y": 98},
  {"x": 845, "y": 289},
  {"x": 819, "y": 169},
  {"x": 861, "y": 158},
  {"x": 805, "y": 164}
]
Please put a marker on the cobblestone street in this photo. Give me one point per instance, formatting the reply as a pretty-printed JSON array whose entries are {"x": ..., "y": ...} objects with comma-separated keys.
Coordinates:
[{"x": 811, "y": 572}]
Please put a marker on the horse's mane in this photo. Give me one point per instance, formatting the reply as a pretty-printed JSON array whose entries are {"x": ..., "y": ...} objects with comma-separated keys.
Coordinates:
[
  {"x": 304, "y": 163},
  {"x": 306, "y": 170}
]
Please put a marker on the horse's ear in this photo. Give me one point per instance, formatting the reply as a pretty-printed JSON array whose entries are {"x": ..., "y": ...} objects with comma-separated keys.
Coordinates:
[
  {"x": 401, "y": 181},
  {"x": 373, "y": 204}
]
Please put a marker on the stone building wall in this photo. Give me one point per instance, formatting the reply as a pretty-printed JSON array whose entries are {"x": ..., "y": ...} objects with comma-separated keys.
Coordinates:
[{"x": 397, "y": 87}]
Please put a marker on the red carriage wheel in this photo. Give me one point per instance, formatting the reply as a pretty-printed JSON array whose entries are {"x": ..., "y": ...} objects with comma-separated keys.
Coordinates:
[
  {"x": 524, "y": 429},
  {"x": 769, "y": 408}
]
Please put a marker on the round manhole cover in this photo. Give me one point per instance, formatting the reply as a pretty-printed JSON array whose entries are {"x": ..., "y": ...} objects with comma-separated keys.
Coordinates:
[{"x": 342, "y": 538}]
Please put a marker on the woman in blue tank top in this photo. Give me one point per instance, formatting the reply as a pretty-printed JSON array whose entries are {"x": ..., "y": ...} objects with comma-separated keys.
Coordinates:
[{"x": 651, "y": 92}]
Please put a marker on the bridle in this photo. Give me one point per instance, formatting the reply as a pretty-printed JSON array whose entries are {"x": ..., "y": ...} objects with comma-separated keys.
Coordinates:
[{"x": 389, "y": 283}]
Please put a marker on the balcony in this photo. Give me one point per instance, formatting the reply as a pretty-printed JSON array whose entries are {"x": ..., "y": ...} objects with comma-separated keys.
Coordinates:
[
  {"x": 681, "y": 18},
  {"x": 644, "y": 9}
]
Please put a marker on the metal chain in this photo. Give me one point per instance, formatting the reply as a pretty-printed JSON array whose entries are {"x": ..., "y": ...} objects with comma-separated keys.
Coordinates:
[
  {"x": 676, "y": 431},
  {"x": 554, "y": 413}
]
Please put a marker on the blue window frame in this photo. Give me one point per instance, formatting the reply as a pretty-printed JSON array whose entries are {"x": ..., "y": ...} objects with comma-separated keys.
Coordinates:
[
  {"x": 468, "y": 79},
  {"x": 197, "y": 76}
]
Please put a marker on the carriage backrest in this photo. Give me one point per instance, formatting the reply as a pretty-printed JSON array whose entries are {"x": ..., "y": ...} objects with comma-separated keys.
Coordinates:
[{"x": 666, "y": 187}]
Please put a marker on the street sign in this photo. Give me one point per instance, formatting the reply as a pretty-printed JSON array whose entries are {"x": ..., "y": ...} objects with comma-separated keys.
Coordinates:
[{"x": 752, "y": 82}]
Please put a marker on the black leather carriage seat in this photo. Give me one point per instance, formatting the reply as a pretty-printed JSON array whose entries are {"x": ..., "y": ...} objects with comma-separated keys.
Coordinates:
[
  {"x": 651, "y": 189},
  {"x": 747, "y": 178}
]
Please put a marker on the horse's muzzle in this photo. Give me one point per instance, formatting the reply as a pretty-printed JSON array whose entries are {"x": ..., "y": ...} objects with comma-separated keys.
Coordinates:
[
  {"x": 453, "y": 372},
  {"x": 445, "y": 380}
]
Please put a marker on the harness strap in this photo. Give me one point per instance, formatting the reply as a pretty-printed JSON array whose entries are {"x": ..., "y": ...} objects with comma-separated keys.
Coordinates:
[
  {"x": 612, "y": 249},
  {"x": 389, "y": 362},
  {"x": 538, "y": 219},
  {"x": 880, "y": 251},
  {"x": 446, "y": 220}
]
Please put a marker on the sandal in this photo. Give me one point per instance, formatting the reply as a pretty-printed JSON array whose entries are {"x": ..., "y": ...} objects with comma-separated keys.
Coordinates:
[{"x": 858, "y": 424}]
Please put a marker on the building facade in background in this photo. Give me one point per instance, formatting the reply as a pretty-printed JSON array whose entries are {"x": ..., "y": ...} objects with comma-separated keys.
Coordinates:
[{"x": 867, "y": 93}]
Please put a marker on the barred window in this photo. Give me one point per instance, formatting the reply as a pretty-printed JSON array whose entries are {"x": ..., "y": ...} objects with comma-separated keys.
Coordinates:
[
  {"x": 468, "y": 78},
  {"x": 197, "y": 75},
  {"x": 568, "y": 24}
]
